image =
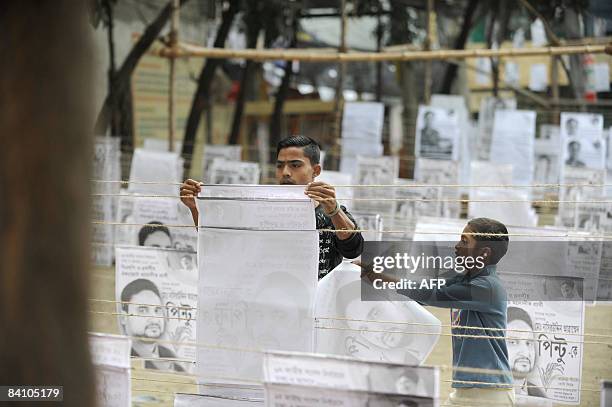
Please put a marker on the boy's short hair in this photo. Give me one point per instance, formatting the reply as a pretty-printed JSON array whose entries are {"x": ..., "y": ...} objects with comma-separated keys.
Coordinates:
[
  {"x": 497, "y": 243},
  {"x": 311, "y": 148}
]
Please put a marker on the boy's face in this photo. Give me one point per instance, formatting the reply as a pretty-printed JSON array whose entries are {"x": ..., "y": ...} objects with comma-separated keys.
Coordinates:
[
  {"x": 467, "y": 246},
  {"x": 294, "y": 168}
]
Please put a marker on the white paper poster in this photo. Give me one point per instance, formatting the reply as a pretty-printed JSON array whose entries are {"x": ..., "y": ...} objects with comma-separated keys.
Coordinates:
[
  {"x": 548, "y": 152},
  {"x": 538, "y": 77},
  {"x": 457, "y": 104},
  {"x": 510, "y": 206},
  {"x": 584, "y": 145},
  {"x": 363, "y": 120},
  {"x": 437, "y": 134},
  {"x": 415, "y": 200},
  {"x": 362, "y": 125},
  {"x": 339, "y": 296},
  {"x": 258, "y": 300},
  {"x": 157, "y": 294},
  {"x": 513, "y": 142},
  {"x": 198, "y": 400},
  {"x": 283, "y": 395},
  {"x": 576, "y": 181},
  {"x": 444, "y": 174},
  {"x": 155, "y": 172},
  {"x": 488, "y": 106},
  {"x": 223, "y": 171},
  {"x": 162, "y": 223},
  {"x": 342, "y": 373},
  {"x": 544, "y": 343},
  {"x": 261, "y": 298},
  {"x": 111, "y": 360},
  {"x": 211, "y": 151},
  {"x": 106, "y": 174},
  {"x": 375, "y": 171}
]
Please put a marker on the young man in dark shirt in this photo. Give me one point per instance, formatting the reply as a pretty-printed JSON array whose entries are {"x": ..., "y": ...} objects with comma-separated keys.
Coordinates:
[{"x": 297, "y": 163}]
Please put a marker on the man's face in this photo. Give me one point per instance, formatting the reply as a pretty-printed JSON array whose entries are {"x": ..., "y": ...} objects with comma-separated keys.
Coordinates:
[
  {"x": 294, "y": 168},
  {"x": 428, "y": 119},
  {"x": 158, "y": 239},
  {"x": 571, "y": 127},
  {"x": 521, "y": 348},
  {"x": 148, "y": 321},
  {"x": 566, "y": 289}
]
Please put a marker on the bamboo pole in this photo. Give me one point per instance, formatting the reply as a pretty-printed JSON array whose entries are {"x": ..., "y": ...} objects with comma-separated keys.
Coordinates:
[
  {"x": 428, "y": 41},
  {"x": 339, "y": 96},
  {"x": 174, "y": 24},
  {"x": 185, "y": 50}
]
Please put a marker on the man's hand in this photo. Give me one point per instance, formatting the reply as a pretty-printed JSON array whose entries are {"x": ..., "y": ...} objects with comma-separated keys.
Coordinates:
[
  {"x": 189, "y": 191},
  {"x": 323, "y": 193}
]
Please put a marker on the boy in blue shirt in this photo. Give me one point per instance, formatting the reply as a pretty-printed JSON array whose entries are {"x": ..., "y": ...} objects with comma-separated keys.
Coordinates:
[{"x": 477, "y": 299}]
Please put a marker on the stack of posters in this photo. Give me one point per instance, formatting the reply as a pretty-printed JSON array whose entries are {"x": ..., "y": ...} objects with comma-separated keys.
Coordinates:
[
  {"x": 111, "y": 359},
  {"x": 292, "y": 380},
  {"x": 258, "y": 264},
  {"x": 106, "y": 176}
]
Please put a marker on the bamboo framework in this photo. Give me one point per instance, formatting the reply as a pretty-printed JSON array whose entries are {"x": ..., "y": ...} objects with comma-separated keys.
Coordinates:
[{"x": 183, "y": 50}]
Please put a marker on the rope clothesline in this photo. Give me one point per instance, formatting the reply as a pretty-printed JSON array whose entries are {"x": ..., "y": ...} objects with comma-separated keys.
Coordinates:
[
  {"x": 467, "y": 200},
  {"x": 200, "y": 345},
  {"x": 195, "y": 382},
  {"x": 583, "y": 236},
  {"x": 397, "y": 186},
  {"x": 183, "y": 50},
  {"x": 259, "y": 382},
  {"x": 338, "y": 318}
]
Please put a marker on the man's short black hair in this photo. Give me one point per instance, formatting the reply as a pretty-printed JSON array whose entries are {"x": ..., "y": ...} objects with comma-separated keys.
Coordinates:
[
  {"x": 311, "y": 148},
  {"x": 135, "y": 287},
  {"x": 497, "y": 243},
  {"x": 151, "y": 228},
  {"x": 516, "y": 313}
]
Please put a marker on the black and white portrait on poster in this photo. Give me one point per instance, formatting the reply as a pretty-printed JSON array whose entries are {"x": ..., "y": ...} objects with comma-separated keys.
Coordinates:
[
  {"x": 583, "y": 141},
  {"x": 437, "y": 133},
  {"x": 156, "y": 292}
]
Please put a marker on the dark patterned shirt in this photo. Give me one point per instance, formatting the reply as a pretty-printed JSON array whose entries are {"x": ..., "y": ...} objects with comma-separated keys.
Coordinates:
[{"x": 332, "y": 249}]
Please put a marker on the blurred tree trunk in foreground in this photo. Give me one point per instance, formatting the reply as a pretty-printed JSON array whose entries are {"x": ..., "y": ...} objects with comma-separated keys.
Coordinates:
[{"x": 45, "y": 153}]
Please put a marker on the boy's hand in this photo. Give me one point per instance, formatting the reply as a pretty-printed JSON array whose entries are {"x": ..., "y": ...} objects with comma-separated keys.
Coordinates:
[
  {"x": 189, "y": 191},
  {"x": 323, "y": 193}
]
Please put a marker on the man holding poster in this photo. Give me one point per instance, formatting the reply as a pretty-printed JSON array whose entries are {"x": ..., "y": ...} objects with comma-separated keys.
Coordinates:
[{"x": 297, "y": 163}]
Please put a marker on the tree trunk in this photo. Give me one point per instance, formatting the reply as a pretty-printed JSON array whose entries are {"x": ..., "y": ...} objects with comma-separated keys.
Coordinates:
[
  {"x": 407, "y": 82},
  {"x": 281, "y": 95},
  {"x": 253, "y": 28},
  {"x": 123, "y": 76},
  {"x": 45, "y": 134},
  {"x": 451, "y": 69},
  {"x": 576, "y": 70},
  {"x": 207, "y": 74}
]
